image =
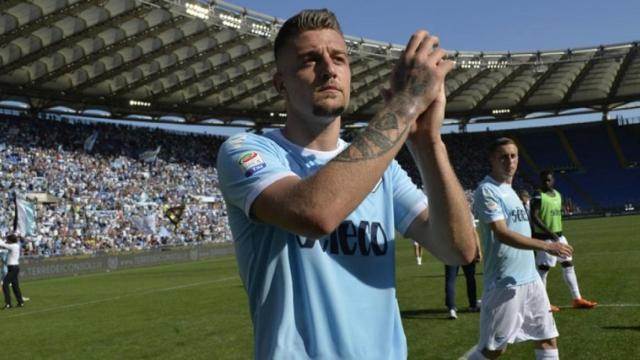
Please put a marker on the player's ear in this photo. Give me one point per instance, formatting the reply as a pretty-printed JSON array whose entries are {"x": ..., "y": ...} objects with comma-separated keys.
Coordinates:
[{"x": 278, "y": 83}]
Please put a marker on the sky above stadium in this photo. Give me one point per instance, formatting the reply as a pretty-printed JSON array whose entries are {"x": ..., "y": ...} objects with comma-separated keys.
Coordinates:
[{"x": 467, "y": 25}]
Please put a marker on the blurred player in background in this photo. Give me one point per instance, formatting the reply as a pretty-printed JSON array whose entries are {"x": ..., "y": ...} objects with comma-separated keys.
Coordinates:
[
  {"x": 417, "y": 251},
  {"x": 526, "y": 201},
  {"x": 11, "y": 279},
  {"x": 546, "y": 218},
  {"x": 450, "y": 277}
]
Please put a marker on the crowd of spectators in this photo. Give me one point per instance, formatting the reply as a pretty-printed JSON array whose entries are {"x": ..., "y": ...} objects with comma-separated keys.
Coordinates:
[{"x": 108, "y": 199}]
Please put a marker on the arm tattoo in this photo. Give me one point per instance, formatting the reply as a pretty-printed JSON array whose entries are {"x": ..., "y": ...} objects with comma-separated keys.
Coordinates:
[{"x": 385, "y": 130}]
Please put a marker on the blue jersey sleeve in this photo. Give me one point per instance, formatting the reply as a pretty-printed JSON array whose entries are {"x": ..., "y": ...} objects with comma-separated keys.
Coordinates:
[
  {"x": 487, "y": 205},
  {"x": 246, "y": 165},
  {"x": 408, "y": 200}
]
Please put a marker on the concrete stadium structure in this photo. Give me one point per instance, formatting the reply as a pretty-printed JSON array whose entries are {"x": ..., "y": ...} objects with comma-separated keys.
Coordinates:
[{"x": 213, "y": 60}]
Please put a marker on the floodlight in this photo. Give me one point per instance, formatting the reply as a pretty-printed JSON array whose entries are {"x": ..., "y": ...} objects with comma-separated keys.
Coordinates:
[{"x": 197, "y": 10}]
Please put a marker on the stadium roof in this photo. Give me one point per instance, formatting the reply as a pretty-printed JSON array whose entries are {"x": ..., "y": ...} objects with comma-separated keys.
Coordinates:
[{"x": 205, "y": 60}]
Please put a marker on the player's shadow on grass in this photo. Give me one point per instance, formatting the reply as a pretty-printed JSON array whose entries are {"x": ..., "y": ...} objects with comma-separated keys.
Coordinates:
[
  {"x": 632, "y": 328},
  {"x": 433, "y": 314}
]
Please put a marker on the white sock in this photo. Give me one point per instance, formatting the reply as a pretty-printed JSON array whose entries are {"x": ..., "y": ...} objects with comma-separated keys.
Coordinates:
[
  {"x": 547, "y": 354},
  {"x": 570, "y": 278},
  {"x": 419, "y": 260},
  {"x": 543, "y": 276},
  {"x": 476, "y": 354}
]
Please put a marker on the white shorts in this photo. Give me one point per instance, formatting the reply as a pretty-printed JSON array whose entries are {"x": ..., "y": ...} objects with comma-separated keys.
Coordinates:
[
  {"x": 515, "y": 314},
  {"x": 544, "y": 258}
]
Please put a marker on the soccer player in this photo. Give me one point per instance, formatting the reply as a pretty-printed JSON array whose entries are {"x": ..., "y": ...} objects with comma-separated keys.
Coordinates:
[
  {"x": 546, "y": 218},
  {"x": 515, "y": 305},
  {"x": 314, "y": 218},
  {"x": 11, "y": 279}
]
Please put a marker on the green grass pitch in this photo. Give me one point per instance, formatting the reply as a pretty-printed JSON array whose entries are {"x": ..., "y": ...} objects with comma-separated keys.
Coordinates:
[{"x": 199, "y": 310}]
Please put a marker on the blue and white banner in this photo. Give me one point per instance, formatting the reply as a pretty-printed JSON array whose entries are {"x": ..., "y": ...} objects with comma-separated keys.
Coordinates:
[
  {"x": 25, "y": 218},
  {"x": 90, "y": 141},
  {"x": 147, "y": 224},
  {"x": 150, "y": 156}
]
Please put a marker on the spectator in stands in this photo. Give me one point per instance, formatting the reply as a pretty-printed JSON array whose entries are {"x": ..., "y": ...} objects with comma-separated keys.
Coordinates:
[
  {"x": 314, "y": 218},
  {"x": 546, "y": 218},
  {"x": 515, "y": 305},
  {"x": 11, "y": 279}
]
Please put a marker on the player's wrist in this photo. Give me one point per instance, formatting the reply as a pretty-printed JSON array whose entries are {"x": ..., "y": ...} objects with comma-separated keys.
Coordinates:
[{"x": 407, "y": 104}]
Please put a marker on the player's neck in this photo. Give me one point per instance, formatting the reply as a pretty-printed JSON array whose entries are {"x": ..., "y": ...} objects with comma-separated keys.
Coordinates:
[
  {"x": 501, "y": 178},
  {"x": 313, "y": 135}
]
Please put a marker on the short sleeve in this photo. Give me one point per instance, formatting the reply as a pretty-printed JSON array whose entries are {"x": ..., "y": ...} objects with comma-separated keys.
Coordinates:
[
  {"x": 247, "y": 164},
  {"x": 487, "y": 205},
  {"x": 408, "y": 200}
]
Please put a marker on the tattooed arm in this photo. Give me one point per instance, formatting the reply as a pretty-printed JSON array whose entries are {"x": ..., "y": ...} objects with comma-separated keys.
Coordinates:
[
  {"x": 316, "y": 205},
  {"x": 446, "y": 228}
]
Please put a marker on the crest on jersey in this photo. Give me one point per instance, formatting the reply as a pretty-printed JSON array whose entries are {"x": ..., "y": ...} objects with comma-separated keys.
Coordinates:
[
  {"x": 491, "y": 205},
  {"x": 251, "y": 162},
  {"x": 237, "y": 140}
]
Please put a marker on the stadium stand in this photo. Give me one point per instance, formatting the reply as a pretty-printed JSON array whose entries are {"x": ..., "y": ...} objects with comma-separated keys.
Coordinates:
[
  {"x": 629, "y": 139},
  {"x": 604, "y": 178},
  {"x": 108, "y": 199},
  {"x": 546, "y": 149}
]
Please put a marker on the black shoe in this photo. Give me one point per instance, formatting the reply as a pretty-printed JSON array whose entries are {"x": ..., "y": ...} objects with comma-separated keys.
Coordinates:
[
  {"x": 6, "y": 306},
  {"x": 20, "y": 304}
]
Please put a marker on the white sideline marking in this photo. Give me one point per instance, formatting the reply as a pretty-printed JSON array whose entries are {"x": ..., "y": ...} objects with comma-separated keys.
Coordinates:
[
  {"x": 604, "y": 305},
  {"x": 69, "y": 306},
  {"x": 468, "y": 353}
]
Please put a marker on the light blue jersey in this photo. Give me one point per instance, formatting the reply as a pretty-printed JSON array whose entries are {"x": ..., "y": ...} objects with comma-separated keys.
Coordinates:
[
  {"x": 504, "y": 266},
  {"x": 323, "y": 299}
]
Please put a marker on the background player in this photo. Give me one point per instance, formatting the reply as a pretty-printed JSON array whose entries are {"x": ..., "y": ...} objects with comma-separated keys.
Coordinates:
[
  {"x": 546, "y": 218},
  {"x": 417, "y": 251},
  {"x": 515, "y": 306}
]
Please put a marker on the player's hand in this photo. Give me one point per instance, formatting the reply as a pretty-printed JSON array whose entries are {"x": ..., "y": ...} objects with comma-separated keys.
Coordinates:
[
  {"x": 420, "y": 72},
  {"x": 559, "y": 249},
  {"x": 429, "y": 123}
]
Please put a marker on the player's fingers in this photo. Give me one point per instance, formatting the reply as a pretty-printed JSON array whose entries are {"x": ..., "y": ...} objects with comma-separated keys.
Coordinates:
[
  {"x": 427, "y": 46},
  {"x": 436, "y": 56},
  {"x": 447, "y": 65},
  {"x": 414, "y": 42}
]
